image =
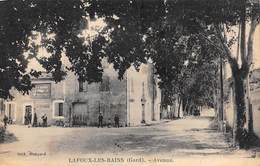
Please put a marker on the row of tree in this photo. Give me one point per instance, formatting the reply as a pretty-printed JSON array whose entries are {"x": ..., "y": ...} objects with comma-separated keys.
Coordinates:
[{"x": 182, "y": 38}]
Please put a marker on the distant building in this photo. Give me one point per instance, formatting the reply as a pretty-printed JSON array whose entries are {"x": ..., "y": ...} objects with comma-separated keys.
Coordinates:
[{"x": 135, "y": 99}]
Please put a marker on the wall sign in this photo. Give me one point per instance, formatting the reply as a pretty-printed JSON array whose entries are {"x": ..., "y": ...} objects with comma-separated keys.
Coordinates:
[{"x": 41, "y": 91}]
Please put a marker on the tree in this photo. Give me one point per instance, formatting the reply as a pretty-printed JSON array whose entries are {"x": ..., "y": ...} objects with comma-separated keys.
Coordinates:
[
  {"x": 153, "y": 29},
  {"x": 19, "y": 22}
]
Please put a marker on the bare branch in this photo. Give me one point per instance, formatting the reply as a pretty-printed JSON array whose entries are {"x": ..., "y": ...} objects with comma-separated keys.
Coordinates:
[
  {"x": 212, "y": 43},
  {"x": 228, "y": 54},
  {"x": 224, "y": 50}
]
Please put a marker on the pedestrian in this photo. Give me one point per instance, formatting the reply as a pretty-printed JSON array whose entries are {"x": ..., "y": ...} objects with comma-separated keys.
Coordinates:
[
  {"x": 116, "y": 120},
  {"x": 109, "y": 123},
  {"x": 44, "y": 120},
  {"x": 5, "y": 120},
  {"x": 34, "y": 120},
  {"x": 100, "y": 120},
  {"x": 26, "y": 122},
  {"x": 30, "y": 118}
]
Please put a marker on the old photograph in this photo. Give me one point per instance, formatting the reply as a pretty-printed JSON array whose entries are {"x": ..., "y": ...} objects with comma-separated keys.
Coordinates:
[{"x": 129, "y": 82}]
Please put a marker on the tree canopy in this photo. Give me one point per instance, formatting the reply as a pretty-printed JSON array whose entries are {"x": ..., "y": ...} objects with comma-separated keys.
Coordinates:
[
  {"x": 169, "y": 33},
  {"x": 18, "y": 22},
  {"x": 164, "y": 32}
]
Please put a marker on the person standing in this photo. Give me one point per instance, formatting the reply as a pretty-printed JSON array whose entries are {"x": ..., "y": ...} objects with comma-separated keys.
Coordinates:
[
  {"x": 30, "y": 118},
  {"x": 34, "y": 120},
  {"x": 100, "y": 120},
  {"x": 5, "y": 120},
  {"x": 109, "y": 123},
  {"x": 44, "y": 120},
  {"x": 116, "y": 121},
  {"x": 26, "y": 121}
]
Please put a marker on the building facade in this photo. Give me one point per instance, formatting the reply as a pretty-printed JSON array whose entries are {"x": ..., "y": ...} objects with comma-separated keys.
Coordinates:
[{"x": 135, "y": 99}]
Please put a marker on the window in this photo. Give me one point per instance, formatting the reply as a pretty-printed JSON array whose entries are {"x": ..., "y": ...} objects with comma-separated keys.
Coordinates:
[
  {"x": 105, "y": 84},
  {"x": 58, "y": 108},
  {"x": 83, "y": 86}
]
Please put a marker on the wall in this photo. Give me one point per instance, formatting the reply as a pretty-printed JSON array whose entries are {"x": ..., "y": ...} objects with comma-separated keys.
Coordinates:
[
  {"x": 123, "y": 98},
  {"x": 256, "y": 110},
  {"x": 108, "y": 103},
  {"x": 139, "y": 86}
]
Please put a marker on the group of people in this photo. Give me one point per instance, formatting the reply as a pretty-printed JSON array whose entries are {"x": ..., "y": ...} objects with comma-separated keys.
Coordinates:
[
  {"x": 28, "y": 120},
  {"x": 100, "y": 121},
  {"x": 7, "y": 120},
  {"x": 44, "y": 118},
  {"x": 35, "y": 121}
]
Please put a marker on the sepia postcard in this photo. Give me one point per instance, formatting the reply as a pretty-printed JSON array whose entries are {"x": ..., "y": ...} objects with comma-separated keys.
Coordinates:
[{"x": 129, "y": 82}]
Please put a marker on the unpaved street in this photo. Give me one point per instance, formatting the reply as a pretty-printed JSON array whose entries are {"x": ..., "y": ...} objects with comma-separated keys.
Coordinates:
[
  {"x": 179, "y": 138},
  {"x": 190, "y": 136}
]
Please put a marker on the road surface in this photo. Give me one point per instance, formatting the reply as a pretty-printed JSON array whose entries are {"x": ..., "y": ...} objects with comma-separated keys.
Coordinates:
[{"x": 186, "y": 137}]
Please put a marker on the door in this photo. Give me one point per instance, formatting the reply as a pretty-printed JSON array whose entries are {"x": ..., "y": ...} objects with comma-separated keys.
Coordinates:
[
  {"x": 28, "y": 115},
  {"x": 80, "y": 114}
]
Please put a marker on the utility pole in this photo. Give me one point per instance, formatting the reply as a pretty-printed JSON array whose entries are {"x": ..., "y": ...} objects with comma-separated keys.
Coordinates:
[
  {"x": 153, "y": 95},
  {"x": 143, "y": 101},
  {"x": 221, "y": 109}
]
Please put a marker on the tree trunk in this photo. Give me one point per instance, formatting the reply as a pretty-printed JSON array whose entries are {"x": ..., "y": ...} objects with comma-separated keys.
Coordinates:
[
  {"x": 239, "y": 83},
  {"x": 216, "y": 104},
  {"x": 250, "y": 120},
  {"x": 179, "y": 108},
  {"x": 188, "y": 107},
  {"x": 240, "y": 73},
  {"x": 184, "y": 106},
  {"x": 253, "y": 26},
  {"x": 234, "y": 117},
  {"x": 249, "y": 108},
  {"x": 239, "y": 76}
]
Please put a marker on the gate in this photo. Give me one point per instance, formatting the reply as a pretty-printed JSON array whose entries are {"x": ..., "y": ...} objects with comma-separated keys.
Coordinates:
[{"x": 81, "y": 115}]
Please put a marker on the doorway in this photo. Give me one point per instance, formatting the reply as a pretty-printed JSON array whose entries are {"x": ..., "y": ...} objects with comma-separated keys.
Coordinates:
[
  {"x": 80, "y": 114},
  {"x": 28, "y": 114}
]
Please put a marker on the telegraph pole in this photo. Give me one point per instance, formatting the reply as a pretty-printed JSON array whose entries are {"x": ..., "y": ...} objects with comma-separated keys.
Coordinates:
[{"x": 221, "y": 109}]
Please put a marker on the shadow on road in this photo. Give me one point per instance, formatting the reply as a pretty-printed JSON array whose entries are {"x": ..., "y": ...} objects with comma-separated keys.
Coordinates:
[
  {"x": 9, "y": 138},
  {"x": 192, "y": 136}
]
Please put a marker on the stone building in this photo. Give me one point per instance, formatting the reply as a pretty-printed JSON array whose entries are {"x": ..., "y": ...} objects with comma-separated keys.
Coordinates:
[{"x": 135, "y": 99}]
